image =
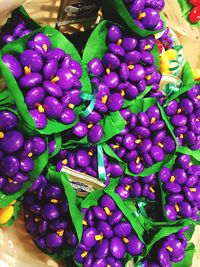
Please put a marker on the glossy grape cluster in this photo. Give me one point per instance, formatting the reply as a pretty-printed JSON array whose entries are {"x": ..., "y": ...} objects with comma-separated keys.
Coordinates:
[
  {"x": 185, "y": 117},
  {"x": 182, "y": 186},
  {"x": 106, "y": 236},
  {"x": 138, "y": 187},
  {"x": 144, "y": 140},
  {"x": 47, "y": 217},
  {"x": 17, "y": 153},
  {"x": 18, "y": 30},
  {"x": 168, "y": 250},
  {"x": 49, "y": 80},
  {"x": 146, "y": 13},
  {"x": 85, "y": 160},
  {"x": 124, "y": 71}
]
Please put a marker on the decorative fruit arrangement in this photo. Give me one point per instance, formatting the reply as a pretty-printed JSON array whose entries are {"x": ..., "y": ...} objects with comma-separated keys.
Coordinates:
[{"x": 102, "y": 157}]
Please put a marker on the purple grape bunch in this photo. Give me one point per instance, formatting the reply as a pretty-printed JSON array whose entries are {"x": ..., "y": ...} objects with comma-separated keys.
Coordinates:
[
  {"x": 47, "y": 217},
  {"x": 17, "y": 153},
  {"x": 85, "y": 160},
  {"x": 106, "y": 236},
  {"x": 138, "y": 187},
  {"x": 18, "y": 30},
  {"x": 144, "y": 141},
  {"x": 146, "y": 13},
  {"x": 89, "y": 127},
  {"x": 185, "y": 118},
  {"x": 124, "y": 71},
  {"x": 182, "y": 186},
  {"x": 168, "y": 250},
  {"x": 49, "y": 79}
]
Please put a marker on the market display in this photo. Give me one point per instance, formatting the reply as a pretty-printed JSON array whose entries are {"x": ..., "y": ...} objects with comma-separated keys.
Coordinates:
[{"x": 101, "y": 152}]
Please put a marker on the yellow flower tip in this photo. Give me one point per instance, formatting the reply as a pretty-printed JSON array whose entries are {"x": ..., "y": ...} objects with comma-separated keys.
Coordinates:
[
  {"x": 151, "y": 189},
  {"x": 104, "y": 99},
  {"x": 108, "y": 265},
  {"x": 107, "y": 211},
  {"x": 90, "y": 153},
  {"x": 84, "y": 223},
  {"x": 179, "y": 110},
  {"x": 198, "y": 97},
  {"x": 108, "y": 175},
  {"x": 160, "y": 145},
  {"x": 181, "y": 136},
  {"x": 64, "y": 161},
  {"x": 193, "y": 189},
  {"x": 131, "y": 67},
  {"x": 172, "y": 178},
  {"x": 141, "y": 16},
  {"x": 53, "y": 200},
  {"x": 44, "y": 46},
  {"x": 169, "y": 248},
  {"x": 137, "y": 160},
  {"x": 10, "y": 180},
  {"x": 127, "y": 188},
  {"x": 138, "y": 141},
  {"x": 6, "y": 214},
  {"x": 126, "y": 122},
  {"x": 30, "y": 154},
  {"x": 13, "y": 202},
  {"x": 60, "y": 232},
  {"x": 119, "y": 42},
  {"x": 55, "y": 79},
  {"x": 147, "y": 47},
  {"x": 190, "y": 164},
  {"x": 1, "y": 135},
  {"x": 71, "y": 105},
  {"x": 197, "y": 119},
  {"x": 125, "y": 239},
  {"x": 177, "y": 208},
  {"x": 122, "y": 92},
  {"x": 84, "y": 254},
  {"x": 27, "y": 70},
  {"x": 73, "y": 71},
  {"x": 108, "y": 71},
  {"x": 196, "y": 74},
  {"x": 99, "y": 237},
  {"x": 153, "y": 120},
  {"x": 148, "y": 77},
  {"x": 37, "y": 219},
  {"x": 115, "y": 146},
  {"x": 41, "y": 109},
  {"x": 90, "y": 125}
]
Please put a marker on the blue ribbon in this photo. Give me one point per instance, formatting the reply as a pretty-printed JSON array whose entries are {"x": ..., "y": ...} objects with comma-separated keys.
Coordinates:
[
  {"x": 101, "y": 166},
  {"x": 91, "y": 98}
]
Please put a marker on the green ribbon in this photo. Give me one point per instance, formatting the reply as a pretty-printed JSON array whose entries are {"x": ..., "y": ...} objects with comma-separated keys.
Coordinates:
[
  {"x": 91, "y": 98},
  {"x": 101, "y": 166},
  {"x": 171, "y": 88},
  {"x": 178, "y": 61},
  {"x": 141, "y": 206}
]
